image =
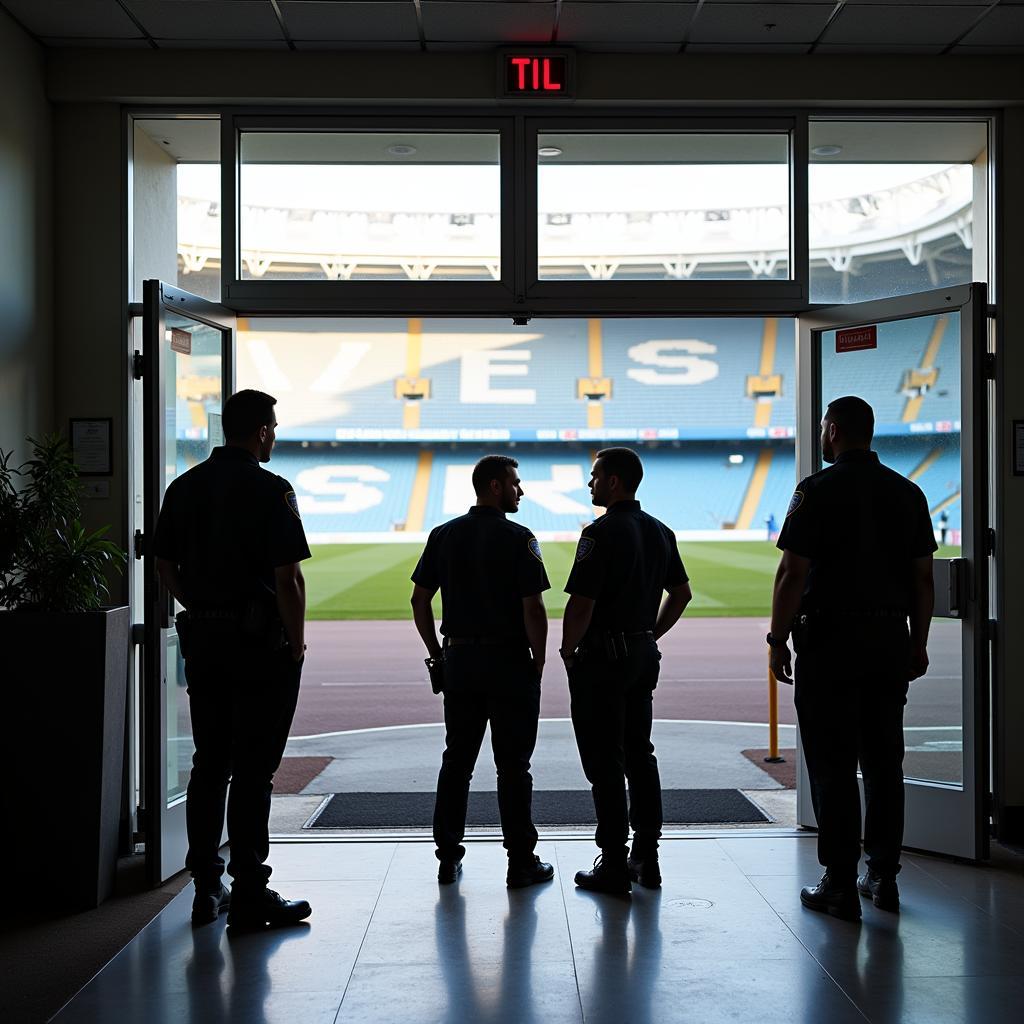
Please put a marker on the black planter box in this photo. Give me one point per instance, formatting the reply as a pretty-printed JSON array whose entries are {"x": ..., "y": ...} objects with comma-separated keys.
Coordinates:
[{"x": 65, "y": 684}]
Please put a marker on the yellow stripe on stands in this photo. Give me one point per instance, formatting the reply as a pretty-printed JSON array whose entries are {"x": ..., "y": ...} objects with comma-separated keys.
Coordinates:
[
  {"x": 420, "y": 488},
  {"x": 913, "y": 406},
  {"x": 242, "y": 323},
  {"x": 754, "y": 489},
  {"x": 946, "y": 502},
  {"x": 413, "y": 361},
  {"x": 925, "y": 464},
  {"x": 595, "y": 368},
  {"x": 763, "y": 406}
]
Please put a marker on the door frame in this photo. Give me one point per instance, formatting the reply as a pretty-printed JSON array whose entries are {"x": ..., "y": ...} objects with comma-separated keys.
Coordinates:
[{"x": 940, "y": 817}]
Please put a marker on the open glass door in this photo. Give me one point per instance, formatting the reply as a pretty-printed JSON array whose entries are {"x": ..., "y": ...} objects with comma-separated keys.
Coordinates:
[
  {"x": 919, "y": 360},
  {"x": 187, "y": 374}
]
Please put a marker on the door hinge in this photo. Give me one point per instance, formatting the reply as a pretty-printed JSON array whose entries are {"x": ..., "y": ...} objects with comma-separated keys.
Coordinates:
[
  {"x": 139, "y": 544},
  {"x": 138, "y": 365},
  {"x": 138, "y": 633},
  {"x": 990, "y": 541},
  {"x": 990, "y": 366}
]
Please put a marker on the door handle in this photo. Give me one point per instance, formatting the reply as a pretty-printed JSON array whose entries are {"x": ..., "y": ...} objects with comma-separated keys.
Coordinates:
[{"x": 950, "y": 577}]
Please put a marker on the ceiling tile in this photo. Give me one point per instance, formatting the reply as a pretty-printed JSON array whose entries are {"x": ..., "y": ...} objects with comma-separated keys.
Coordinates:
[
  {"x": 221, "y": 44},
  {"x": 207, "y": 19},
  {"x": 97, "y": 43},
  {"x": 899, "y": 24},
  {"x": 905, "y": 48},
  {"x": 500, "y": 22},
  {"x": 747, "y": 23},
  {"x": 921, "y": 3},
  {"x": 629, "y": 47},
  {"x": 624, "y": 22},
  {"x": 982, "y": 51},
  {"x": 747, "y": 47},
  {"x": 94, "y": 18},
  {"x": 350, "y": 21},
  {"x": 1000, "y": 27},
  {"x": 340, "y": 46}
]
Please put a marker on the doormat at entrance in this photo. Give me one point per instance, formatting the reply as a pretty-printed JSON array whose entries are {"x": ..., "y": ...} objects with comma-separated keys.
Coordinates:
[{"x": 550, "y": 807}]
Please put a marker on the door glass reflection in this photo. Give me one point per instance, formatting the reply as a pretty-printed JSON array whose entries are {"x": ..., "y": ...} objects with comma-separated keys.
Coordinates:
[{"x": 911, "y": 378}]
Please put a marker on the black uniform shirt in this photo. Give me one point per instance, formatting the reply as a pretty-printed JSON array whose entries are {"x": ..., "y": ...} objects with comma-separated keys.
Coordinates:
[
  {"x": 484, "y": 565},
  {"x": 227, "y": 524},
  {"x": 861, "y": 524},
  {"x": 624, "y": 562}
]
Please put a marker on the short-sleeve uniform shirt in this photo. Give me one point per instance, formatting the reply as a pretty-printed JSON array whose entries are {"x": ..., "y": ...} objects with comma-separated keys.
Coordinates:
[
  {"x": 861, "y": 525},
  {"x": 484, "y": 565},
  {"x": 228, "y": 524},
  {"x": 625, "y": 560}
]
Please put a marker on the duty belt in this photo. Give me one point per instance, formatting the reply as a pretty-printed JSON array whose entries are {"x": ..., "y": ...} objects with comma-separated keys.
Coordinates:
[
  {"x": 856, "y": 613},
  {"x": 613, "y": 644},
  {"x": 483, "y": 641}
]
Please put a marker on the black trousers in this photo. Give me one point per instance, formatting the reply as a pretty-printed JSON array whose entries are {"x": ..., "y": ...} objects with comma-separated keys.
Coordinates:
[
  {"x": 612, "y": 706},
  {"x": 242, "y": 703},
  {"x": 851, "y": 689},
  {"x": 500, "y": 686}
]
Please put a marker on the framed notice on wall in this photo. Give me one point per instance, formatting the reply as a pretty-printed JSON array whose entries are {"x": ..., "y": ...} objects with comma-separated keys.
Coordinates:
[{"x": 92, "y": 446}]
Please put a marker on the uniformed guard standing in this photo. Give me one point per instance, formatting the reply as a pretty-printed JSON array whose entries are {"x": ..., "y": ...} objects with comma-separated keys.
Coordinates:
[
  {"x": 625, "y": 561},
  {"x": 228, "y": 546},
  {"x": 856, "y": 563},
  {"x": 491, "y": 577}
]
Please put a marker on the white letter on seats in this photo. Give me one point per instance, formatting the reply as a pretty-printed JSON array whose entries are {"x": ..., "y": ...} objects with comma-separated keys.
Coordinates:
[
  {"x": 694, "y": 370},
  {"x": 348, "y": 481},
  {"x": 479, "y": 367}
]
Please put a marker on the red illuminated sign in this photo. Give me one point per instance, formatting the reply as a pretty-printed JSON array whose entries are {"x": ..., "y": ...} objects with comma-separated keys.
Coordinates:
[
  {"x": 854, "y": 339},
  {"x": 543, "y": 74}
]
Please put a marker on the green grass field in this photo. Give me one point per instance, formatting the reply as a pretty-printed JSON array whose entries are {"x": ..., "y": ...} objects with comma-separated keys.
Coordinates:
[{"x": 371, "y": 581}]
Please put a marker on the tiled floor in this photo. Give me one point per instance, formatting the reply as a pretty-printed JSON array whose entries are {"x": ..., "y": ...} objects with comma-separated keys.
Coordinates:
[{"x": 725, "y": 940}]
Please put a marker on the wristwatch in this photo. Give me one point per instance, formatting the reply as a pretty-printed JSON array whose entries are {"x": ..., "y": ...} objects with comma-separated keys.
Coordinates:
[{"x": 774, "y": 642}]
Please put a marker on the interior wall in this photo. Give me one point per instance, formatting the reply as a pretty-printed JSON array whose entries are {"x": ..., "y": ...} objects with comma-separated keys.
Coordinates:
[
  {"x": 90, "y": 350},
  {"x": 26, "y": 255},
  {"x": 154, "y": 213}
]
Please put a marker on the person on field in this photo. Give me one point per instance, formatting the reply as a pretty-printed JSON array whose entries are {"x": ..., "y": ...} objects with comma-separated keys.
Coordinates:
[
  {"x": 854, "y": 589},
  {"x": 491, "y": 576},
  {"x": 228, "y": 545},
  {"x": 625, "y": 562}
]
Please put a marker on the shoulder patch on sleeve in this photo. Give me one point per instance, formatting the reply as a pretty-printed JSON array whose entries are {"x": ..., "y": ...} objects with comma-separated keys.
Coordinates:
[
  {"x": 585, "y": 546},
  {"x": 534, "y": 545},
  {"x": 293, "y": 503},
  {"x": 795, "y": 502}
]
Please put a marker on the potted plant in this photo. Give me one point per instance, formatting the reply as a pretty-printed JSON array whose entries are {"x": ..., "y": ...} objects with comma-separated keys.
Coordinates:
[{"x": 65, "y": 668}]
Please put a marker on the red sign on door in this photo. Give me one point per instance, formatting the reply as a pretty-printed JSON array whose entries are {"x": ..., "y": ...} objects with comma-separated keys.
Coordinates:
[{"x": 853, "y": 339}]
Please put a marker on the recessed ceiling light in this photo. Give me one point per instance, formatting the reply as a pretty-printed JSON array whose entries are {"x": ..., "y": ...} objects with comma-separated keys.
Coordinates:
[
  {"x": 401, "y": 150},
  {"x": 827, "y": 150},
  {"x": 549, "y": 151}
]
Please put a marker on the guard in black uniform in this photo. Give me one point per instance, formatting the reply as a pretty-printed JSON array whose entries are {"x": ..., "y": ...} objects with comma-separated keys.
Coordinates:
[
  {"x": 228, "y": 546},
  {"x": 857, "y": 549},
  {"x": 625, "y": 561},
  {"x": 491, "y": 577}
]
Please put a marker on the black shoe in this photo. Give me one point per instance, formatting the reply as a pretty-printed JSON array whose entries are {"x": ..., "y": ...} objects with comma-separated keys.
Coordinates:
[
  {"x": 206, "y": 904},
  {"x": 882, "y": 891},
  {"x": 530, "y": 873},
  {"x": 644, "y": 870},
  {"x": 829, "y": 898},
  {"x": 264, "y": 908},
  {"x": 448, "y": 871},
  {"x": 607, "y": 878}
]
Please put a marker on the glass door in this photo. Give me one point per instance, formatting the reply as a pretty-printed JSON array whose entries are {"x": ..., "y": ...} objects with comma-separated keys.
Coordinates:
[
  {"x": 919, "y": 361},
  {"x": 187, "y": 374}
]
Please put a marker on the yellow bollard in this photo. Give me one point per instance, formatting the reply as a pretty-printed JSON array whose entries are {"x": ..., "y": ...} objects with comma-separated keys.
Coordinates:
[{"x": 773, "y": 720}]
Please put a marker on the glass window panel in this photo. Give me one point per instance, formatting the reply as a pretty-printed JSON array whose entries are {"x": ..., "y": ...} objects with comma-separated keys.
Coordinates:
[
  {"x": 912, "y": 381},
  {"x": 370, "y": 206},
  {"x": 896, "y": 207},
  {"x": 663, "y": 207}
]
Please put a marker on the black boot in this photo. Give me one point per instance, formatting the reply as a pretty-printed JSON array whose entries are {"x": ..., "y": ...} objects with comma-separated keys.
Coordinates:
[
  {"x": 608, "y": 877},
  {"x": 208, "y": 903},
  {"x": 644, "y": 868},
  {"x": 881, "y": 890},
  {"x": 448, "y": 871},
  {"x": 834, "y": 898},
  {"x": 529, "y": 872},
  {"x": 264, "y": 908}
]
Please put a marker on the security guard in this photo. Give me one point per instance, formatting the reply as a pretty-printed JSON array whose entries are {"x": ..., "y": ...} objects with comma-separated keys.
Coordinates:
[
  {"x": 491, "y": 577},
  {"x": 625, "y": 560},
  {"x": 856, "y": 564},
  {"x": 228, "y": 546}
]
